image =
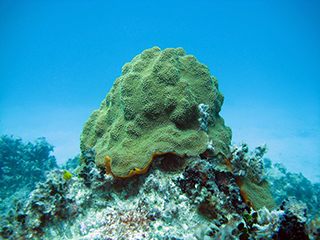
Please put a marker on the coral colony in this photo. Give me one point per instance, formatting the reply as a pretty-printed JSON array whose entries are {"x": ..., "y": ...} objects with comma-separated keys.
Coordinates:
[{"x": 157, "y": 163}]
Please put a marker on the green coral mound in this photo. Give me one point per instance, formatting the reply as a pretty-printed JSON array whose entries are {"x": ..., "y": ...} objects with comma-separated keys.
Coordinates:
[{"x": 153, "y": 108}]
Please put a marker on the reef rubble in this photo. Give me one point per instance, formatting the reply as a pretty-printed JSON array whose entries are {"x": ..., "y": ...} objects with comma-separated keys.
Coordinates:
[{"x": 194, "y": 198}]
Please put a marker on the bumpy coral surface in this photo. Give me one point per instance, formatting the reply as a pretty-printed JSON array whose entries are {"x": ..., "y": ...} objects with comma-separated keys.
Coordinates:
[{"x": 153, "y": 108}]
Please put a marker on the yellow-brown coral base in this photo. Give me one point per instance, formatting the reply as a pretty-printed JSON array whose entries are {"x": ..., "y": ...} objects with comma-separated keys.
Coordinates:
[{"x": 134, "y": 171}]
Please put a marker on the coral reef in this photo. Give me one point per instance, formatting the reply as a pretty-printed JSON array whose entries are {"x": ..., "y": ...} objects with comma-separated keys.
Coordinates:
[
  {"x": 178, "y": 198},
  {"x": 215, "y": 192},
  {"x": 287, "y": 222},
  {"x": 163, "y": 111},
  {"x": 285, "y": 184},
  {"x": 153, "y": 108},
  {"x": 45, "y": 207},
  {"x": 22, "y": 165},
  {"x": 248, "y": 167},
  {"x": 248, "y": 164}
]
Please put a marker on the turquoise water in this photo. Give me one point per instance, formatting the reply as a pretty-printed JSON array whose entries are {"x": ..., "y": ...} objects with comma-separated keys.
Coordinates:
[{"x": 58, "y": 60}]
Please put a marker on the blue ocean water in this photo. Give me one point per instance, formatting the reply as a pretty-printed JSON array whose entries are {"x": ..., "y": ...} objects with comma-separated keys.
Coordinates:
[{"x": 58, "y": 60}]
